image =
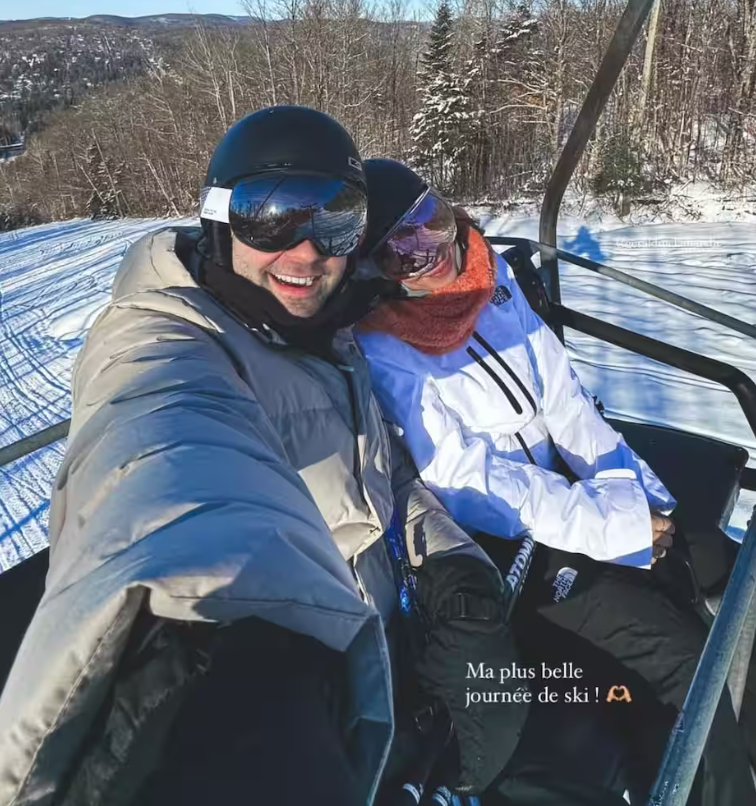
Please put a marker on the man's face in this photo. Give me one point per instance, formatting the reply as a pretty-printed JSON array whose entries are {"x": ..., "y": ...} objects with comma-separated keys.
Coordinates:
[{"x": 301, "y": 279}]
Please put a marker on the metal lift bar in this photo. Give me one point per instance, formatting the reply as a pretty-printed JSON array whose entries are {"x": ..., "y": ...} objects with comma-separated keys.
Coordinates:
[
  {"x": 27, "y": 445},
  {"x": 627, "y": 279},
  {"x": 734, "y": 379},
  {"x": 625, "y": 36},
  {"x": 686, "y": 744}
]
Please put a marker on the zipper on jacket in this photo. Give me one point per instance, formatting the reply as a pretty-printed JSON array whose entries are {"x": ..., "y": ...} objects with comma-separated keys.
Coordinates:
[
  {"x": 349, "y": 379},
  {"x": 360, "y": 583},
  {"x": 497, "y": 357},
  {"x": 348, "y": 373}
]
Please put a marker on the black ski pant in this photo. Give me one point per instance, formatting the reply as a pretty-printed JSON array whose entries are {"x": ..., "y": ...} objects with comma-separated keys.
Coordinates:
[{"x": 622, "y": 623}]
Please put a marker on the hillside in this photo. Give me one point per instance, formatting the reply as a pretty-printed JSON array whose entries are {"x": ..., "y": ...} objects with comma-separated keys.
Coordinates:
[
  {"x": 48, "y": 64},
  {"x": 147, "y": 21}
]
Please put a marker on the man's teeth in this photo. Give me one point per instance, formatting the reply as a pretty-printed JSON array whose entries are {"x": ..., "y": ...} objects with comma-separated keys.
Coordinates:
[{"x": 285, "y": 278}]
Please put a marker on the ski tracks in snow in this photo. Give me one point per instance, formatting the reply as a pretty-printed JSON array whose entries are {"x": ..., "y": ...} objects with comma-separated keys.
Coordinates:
[{"x": 54, "y": 279}]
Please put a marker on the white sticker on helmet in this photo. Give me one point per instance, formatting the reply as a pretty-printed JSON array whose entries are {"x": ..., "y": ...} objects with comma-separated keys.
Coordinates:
[{"x": 215, "y": 203}]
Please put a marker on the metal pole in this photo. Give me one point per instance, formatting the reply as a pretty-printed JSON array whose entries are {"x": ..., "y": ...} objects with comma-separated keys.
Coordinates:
[
  {"x": 741, "y": 662},
  {"x": 628, "y": 29},
  {"x": 686, "y": 743},
  {"x": 34, "y": 442}
]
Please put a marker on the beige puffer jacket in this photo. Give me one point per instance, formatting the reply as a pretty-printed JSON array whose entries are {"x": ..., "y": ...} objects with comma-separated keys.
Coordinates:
[{"x": 211, "y": 475}]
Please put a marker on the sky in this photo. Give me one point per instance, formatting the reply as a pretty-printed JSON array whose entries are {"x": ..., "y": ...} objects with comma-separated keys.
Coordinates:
[{"x": 134, "y": 8}]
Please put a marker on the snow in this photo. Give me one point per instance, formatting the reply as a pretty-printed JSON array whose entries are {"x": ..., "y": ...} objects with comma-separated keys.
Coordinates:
[{"x": 55, "y": 279}]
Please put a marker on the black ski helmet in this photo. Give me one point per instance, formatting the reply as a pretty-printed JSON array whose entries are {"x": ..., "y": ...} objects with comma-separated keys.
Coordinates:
[
  {"x": 293, "y": 138},
  {"x": 277, "y": 138},
  {"x": 393, "y": 189}
]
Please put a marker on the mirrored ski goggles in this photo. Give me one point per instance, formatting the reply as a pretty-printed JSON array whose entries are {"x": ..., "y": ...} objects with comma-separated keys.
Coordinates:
[
  {"x": 277, "y": 212},
  {"x": 422, "y": 239}
]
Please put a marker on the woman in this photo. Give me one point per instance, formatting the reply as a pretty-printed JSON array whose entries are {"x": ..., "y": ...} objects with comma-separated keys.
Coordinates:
[
  {"x": 504, "y": 434},
  {"x": 491, "y": 408}
]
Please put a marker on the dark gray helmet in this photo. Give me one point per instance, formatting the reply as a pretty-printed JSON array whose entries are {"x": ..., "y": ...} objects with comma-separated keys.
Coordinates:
[{"x": 393, "y": 189}]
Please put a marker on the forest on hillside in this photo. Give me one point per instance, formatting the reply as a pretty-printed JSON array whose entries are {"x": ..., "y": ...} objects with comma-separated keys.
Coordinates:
[{"x": 480, "y": 100}]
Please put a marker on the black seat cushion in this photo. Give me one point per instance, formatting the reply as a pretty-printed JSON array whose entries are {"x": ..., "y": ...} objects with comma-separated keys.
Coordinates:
[
  {"x": 21, "y": 588},
  {"x": 703, "y": 474}
]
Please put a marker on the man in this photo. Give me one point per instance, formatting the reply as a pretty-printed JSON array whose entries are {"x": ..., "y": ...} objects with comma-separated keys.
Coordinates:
[{"x": 226, "y": 528}]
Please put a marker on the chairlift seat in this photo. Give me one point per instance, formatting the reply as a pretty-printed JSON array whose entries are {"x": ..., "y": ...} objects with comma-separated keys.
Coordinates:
[
  {"x": 21, "y": 589},
  {"x": 702, "y": 473}
]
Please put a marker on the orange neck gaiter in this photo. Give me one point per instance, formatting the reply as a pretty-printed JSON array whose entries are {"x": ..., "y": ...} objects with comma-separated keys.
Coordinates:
[{"x": 445, "y": 319}]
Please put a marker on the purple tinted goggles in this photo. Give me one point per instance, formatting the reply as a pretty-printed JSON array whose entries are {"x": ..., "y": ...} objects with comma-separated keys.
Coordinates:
[{"x": 420, "y": 241}]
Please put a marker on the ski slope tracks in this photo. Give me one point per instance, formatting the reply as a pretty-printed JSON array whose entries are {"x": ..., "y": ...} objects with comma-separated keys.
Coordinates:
[{"x": 54, "y": 279}]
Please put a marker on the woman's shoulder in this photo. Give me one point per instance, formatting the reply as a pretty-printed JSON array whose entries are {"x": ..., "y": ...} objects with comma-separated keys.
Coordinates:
[
  {"x": 375, "y": 343},
  {"x": 383, "y": 349},
  {"x": 385, "y": 352},
  {"x": 504, "y": 272}
]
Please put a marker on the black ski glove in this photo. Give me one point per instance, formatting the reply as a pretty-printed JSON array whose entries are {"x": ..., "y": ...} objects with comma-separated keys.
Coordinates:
[{"x": 462, "y": 601}]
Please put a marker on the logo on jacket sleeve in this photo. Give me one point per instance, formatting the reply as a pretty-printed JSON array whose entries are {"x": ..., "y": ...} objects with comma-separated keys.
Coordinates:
[
  {"x": 501, "y": 295},
  {"x": 563, "y": 583}
]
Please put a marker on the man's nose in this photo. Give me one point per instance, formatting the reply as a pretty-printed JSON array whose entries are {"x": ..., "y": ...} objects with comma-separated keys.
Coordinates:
[{"x": 305, "y": 251}]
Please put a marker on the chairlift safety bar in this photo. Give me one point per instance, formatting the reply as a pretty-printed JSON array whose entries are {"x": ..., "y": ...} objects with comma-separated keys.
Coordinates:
[
  {"x": 625, "y": 36},
  {"x": 686, "y": 743},
  {"x": 627, "y": 279},
  {"x": 40, "y": 439}
]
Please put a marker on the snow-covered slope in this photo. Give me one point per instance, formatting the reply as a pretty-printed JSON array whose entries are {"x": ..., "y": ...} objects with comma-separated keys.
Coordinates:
[
  {"x": 53, "y": 281},
  {"x": 55, "y": 278}
]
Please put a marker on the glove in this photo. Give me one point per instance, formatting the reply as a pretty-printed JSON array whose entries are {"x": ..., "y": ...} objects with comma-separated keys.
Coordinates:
[{"x": 461, "y": 600}]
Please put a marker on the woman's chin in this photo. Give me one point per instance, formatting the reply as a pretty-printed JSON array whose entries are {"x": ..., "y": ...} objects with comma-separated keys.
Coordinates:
[{"x": 444, "y": 274}]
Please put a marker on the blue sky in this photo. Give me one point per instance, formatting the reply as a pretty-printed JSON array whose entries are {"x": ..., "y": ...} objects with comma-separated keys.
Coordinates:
[{"x": 133, "y": 8}]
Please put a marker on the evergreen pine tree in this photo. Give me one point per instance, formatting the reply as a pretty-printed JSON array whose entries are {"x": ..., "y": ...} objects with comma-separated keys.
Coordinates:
[
  {"x": 501, "y": 60},
  {"x": 443, "y": 128}
]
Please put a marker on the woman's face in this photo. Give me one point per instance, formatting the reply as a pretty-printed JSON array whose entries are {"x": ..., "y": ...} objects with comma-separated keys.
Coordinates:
[
  {"x": 441, "y": 275},
  {"x": 419, "y": 252}
]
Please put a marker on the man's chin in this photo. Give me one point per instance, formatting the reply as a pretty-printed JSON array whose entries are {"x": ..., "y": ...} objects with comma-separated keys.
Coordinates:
[{"x": 304, "y": 309}]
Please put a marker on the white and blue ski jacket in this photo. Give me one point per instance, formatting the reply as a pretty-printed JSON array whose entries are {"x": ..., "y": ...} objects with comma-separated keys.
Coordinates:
[{"x": 491, "y": 424}]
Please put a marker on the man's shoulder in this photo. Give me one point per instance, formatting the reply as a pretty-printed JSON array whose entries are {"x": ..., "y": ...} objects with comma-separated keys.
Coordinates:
[{"x": 152, "y": 263}]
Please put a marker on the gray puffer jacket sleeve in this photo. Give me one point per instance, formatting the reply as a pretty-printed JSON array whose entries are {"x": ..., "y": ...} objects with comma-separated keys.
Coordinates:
[{"x": 172, "y": 460}]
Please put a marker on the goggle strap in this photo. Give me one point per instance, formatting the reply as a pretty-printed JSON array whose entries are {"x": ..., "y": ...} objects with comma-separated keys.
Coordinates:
[{"x": 215, "y": 204}]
